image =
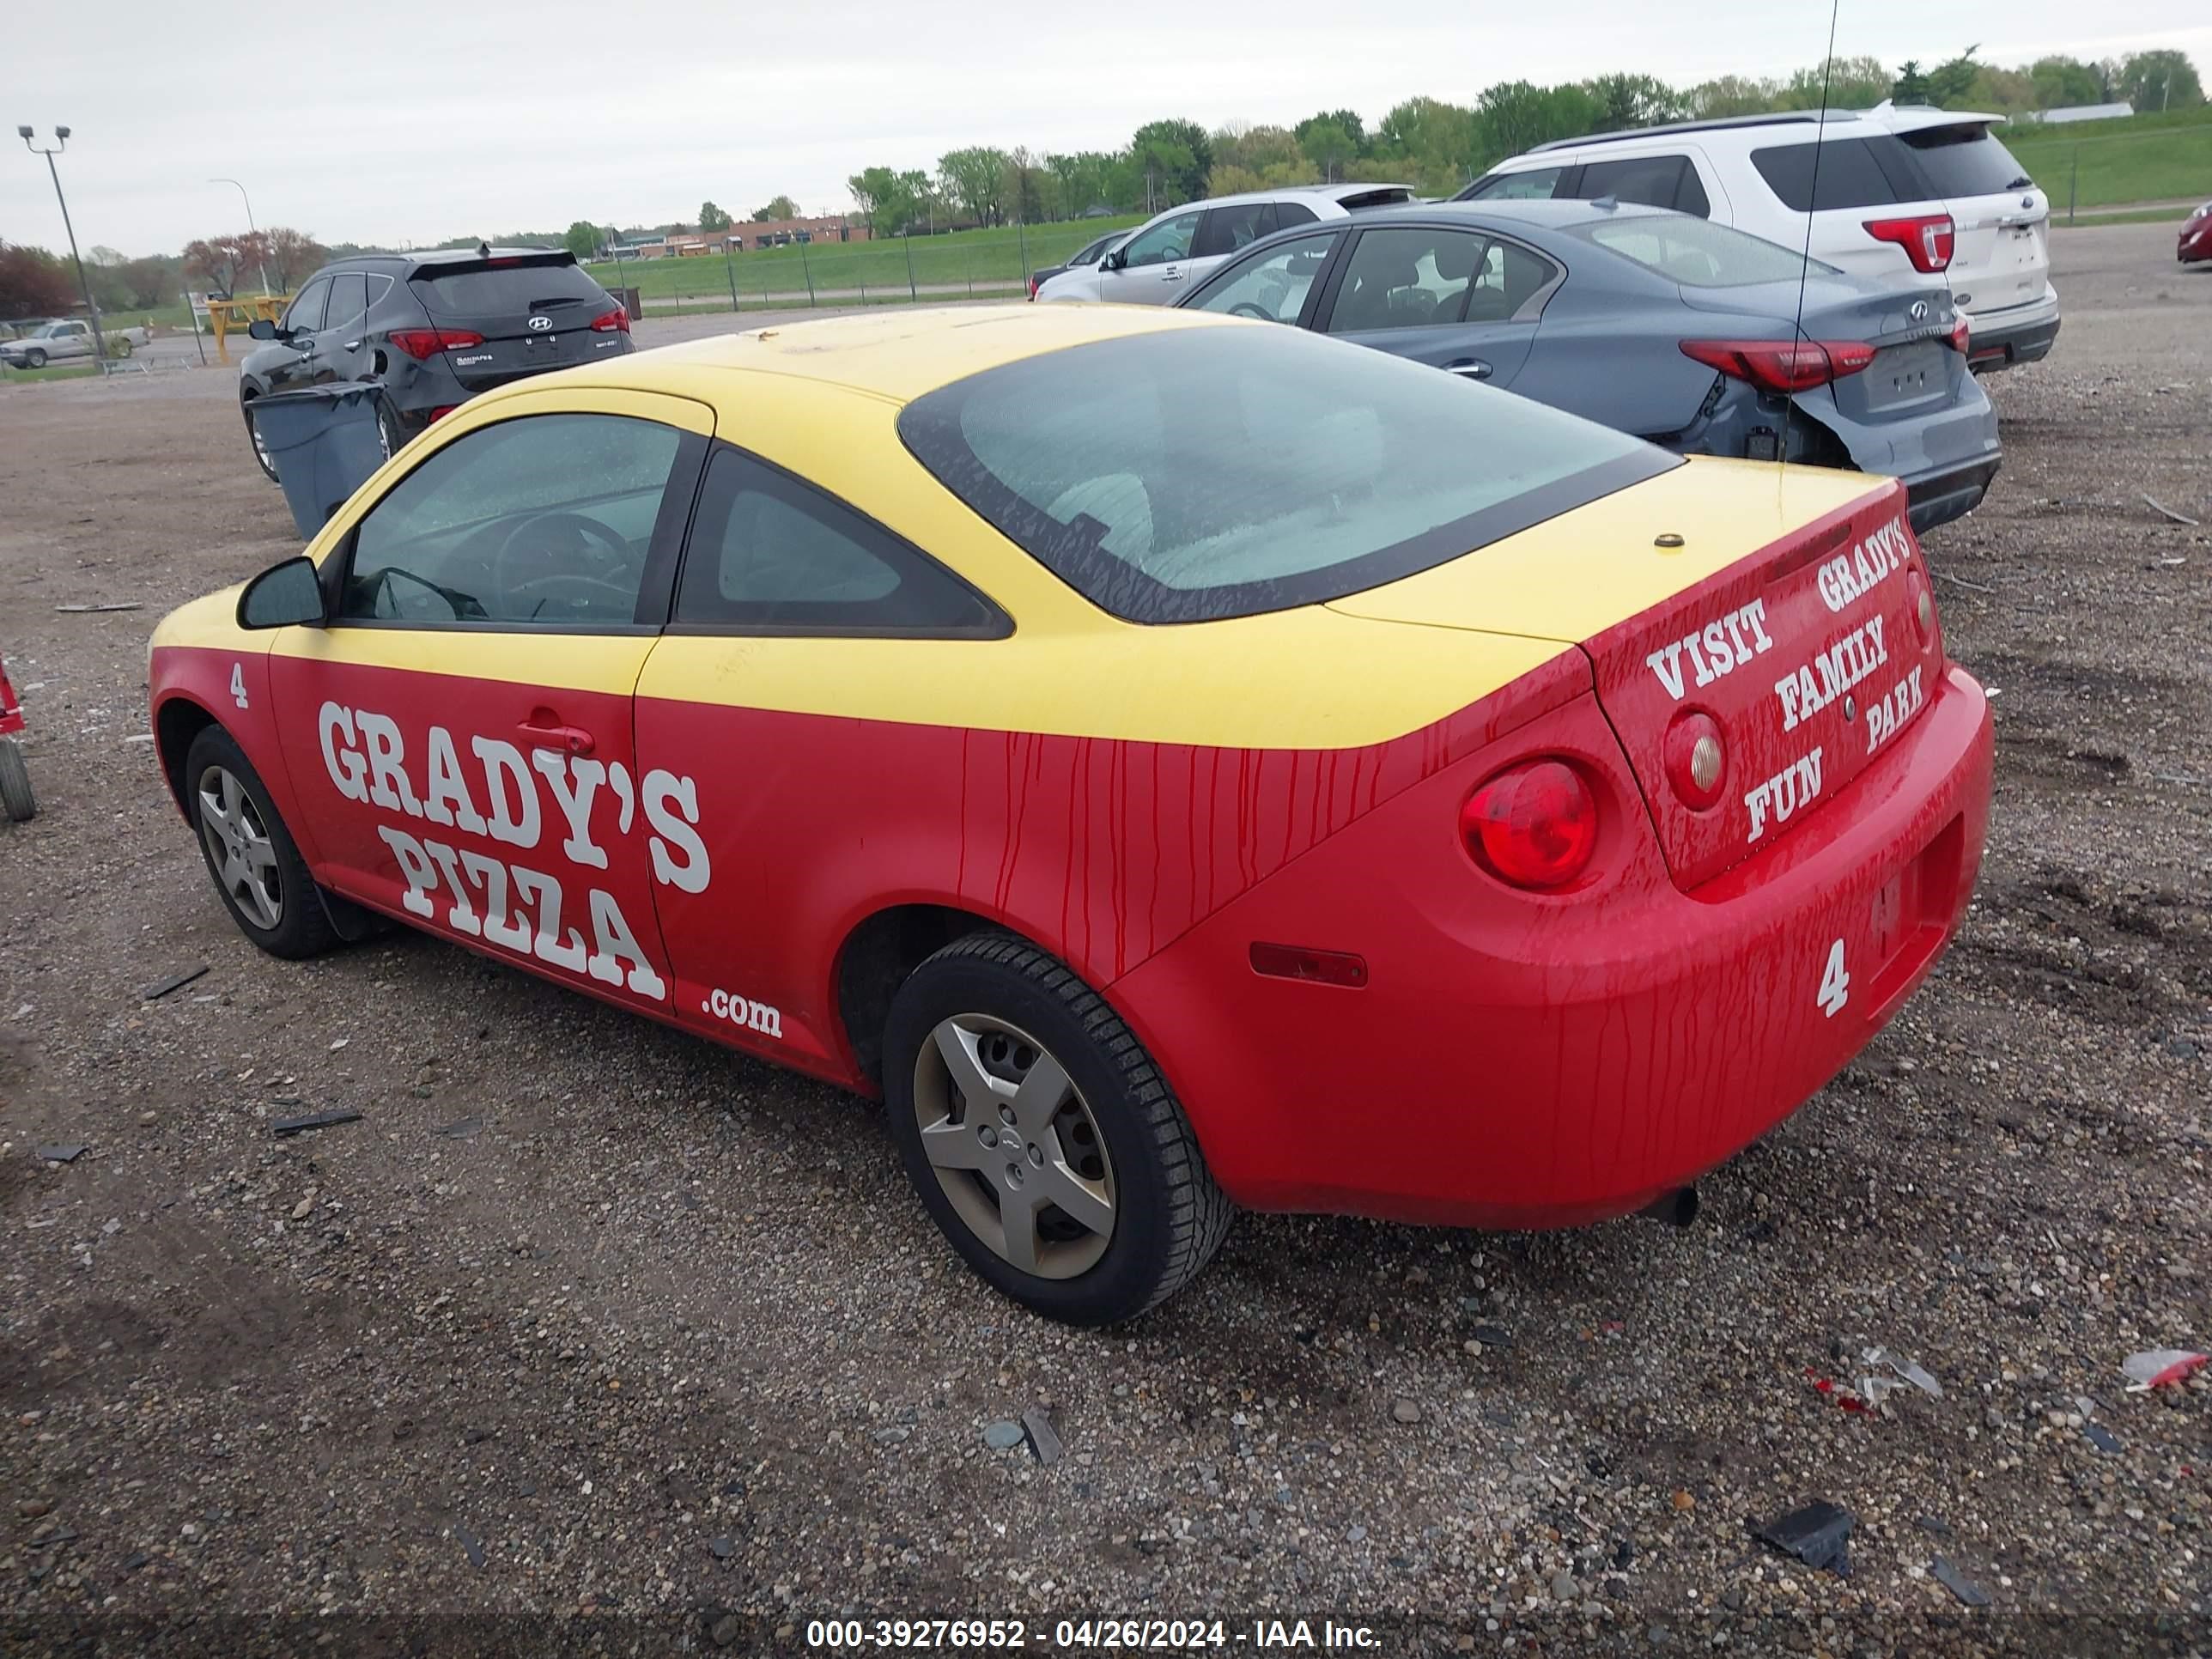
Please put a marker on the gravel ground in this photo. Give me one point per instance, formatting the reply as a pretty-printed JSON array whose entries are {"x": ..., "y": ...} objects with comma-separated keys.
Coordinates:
[{"x": 588, "y": 1334}]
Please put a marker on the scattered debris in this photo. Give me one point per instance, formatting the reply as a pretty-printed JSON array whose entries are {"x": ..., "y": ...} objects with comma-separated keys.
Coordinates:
[
  {"x": 2152, "y": 501},
  {"x": 1847, "y": 1398},
  {"x": 1405, "y": 1411},
  {"x": 1004, "y": 1436},
  {"x": 1935, "y": 1523},
  {"x": 68, "y": 1152},
  {"x": 1491, "y": 1336},
  {"x": 722, "y": 1548},
  {"x": 469, "y": 1545},
  {"x": 2101, "y": 1438},
  {"x": 1873, "y": 1387},
  {"x": 80, "y": 610},
  {"x": 1043, "y": 1441},
  {"x": 1971, "y": 587},
  {"x": 293, "y": 1126},
  {"x": 2154, "y": 1368},
  {"x": 161, "y": 988},
  {"x": 1819, "y": 1534},
  {"x": 1958, "y": 1583},
  {"x": 465, "y": 1129}
]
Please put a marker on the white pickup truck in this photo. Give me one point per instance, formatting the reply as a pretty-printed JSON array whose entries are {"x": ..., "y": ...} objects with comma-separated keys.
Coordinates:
[{"x": 52, "y": 342}]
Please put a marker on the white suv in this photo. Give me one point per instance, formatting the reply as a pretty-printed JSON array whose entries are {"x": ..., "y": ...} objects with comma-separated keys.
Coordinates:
[
  {"x": 1912, "y": 195},
  {"x": 1169, "y": 252}
]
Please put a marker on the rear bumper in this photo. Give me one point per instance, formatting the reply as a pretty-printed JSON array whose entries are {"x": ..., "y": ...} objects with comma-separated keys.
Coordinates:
[
  {"x": 1946, "y": 459},
  {"x": 2194, "y": 246},
  {"x": 1941, "y": 497},
  {"x": 1516, "y": 1060},
  {"x": 2016, "y": 335}
]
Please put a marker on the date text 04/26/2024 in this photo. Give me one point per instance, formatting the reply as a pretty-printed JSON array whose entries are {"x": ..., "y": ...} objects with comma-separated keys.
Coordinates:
[{"x": 1092, "y": 1635}]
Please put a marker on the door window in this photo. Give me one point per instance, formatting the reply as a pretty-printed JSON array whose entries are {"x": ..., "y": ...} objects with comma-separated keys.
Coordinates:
[
  {"x": 1411, "y": 277},
  {"x": 349, "y": 301},
  {"x": 770, "y": 554},
  {"x": 305, "y": 315},
  {"x": 1533, "y": 185},
  {"x": 1270, "y": 282},
  {"x": 541, "y": 521},
  {"x": 1289, "y": 215},
  {"x": 1225, "y": 229},
  {"x": 1508, "y": 278},
  {"x": 1651, "y": 180},
  {"x": 1168, "y": 240}
]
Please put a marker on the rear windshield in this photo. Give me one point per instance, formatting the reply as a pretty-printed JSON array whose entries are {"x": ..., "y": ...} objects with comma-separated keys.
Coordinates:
[
  {"x": 1698, "y": 254},
  {"x": 507, "y": 290},
  {"x": 1965, "y": 161},
  {"x": 1194, "y": 474}
]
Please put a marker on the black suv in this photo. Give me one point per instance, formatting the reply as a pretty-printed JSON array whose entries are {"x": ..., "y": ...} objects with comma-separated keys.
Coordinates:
[{"x": 433, "y": 330}]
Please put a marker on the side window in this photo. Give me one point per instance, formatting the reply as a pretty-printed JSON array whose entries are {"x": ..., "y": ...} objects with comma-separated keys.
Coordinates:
[
  {"x": 1271, "y": 282},
  {"x": 1290, "y": 214},
  {"x": 378, "y": 288},
  {"x": 1847, "y": 174},
  {"x": 305, "y": 315},
  {"x": 1510, "y": 276},
  {"x": 770, "y": 553},
  {"x": 1168, "y": 240},
  {"x": 1647, "y": 180},
  {"x": 541, "y": 520},
  {"x": 1225, "y": 229},
  {"x": 1691, "y": 198},
  {"x": 1534, "y": 184},
  {"x": 348, "y": 299},
  {"x": 1412, "y": 277}
]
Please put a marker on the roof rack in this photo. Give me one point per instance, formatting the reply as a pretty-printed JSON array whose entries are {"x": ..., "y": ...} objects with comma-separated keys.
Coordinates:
[{"x": 1719, "y": 124}]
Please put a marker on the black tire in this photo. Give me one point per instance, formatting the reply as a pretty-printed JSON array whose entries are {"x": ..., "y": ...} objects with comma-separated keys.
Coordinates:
[
  {"x": 254, "y": 440},
  {"x": 34, "y": 358},
  {"x": 303, "y": 924},
  {"x": 389, "y": 428},
  {"x": 16, "y": 797},
  {"x": 1169, "y": 1217}
]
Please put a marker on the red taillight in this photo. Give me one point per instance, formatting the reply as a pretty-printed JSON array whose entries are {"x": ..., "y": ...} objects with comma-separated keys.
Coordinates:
[
  {"x": 1961, "y": 336},
  {"x": 442, "y": 411},
  {"x": 1032, "y": 287},
  {"x": 1533, "y": 825},
  {"x": 1780, "y": 366},
  {"x": 421, "y": 343},
  {"x": 1927, "y": 240},
  {"x": 615, "y": 322},
  {"x": 1696, "y": 759}
]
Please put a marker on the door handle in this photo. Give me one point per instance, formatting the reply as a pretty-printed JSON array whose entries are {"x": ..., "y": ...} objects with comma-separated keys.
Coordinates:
[
  {"x": 350, "y": 345},
  {"x": 1473, "y": 368},
  {"x": 1172, "y": 274},
  {"x": 544, "y": 730}
]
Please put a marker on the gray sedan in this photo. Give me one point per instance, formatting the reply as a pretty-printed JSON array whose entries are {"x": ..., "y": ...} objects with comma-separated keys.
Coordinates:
[{"x": 1682, "y": 331}]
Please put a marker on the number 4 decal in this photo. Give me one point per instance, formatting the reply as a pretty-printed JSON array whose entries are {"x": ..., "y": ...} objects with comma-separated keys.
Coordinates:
[
  {"x": 238, "y": 683},
  {"x": 1835, "y": 983}
]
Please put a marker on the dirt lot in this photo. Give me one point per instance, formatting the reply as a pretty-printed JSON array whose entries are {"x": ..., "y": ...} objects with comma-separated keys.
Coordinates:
[{"x": 662, "y": 1355}]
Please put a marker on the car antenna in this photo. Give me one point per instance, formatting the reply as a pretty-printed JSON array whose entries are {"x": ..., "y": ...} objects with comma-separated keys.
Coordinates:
[
  {"x": 484, "y": 249},
  {"x": 1797, "y": 340}
]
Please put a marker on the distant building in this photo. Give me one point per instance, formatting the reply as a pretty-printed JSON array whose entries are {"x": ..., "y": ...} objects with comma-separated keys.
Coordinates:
[
  {"x": 2078, "y": 112},
  {"x": 773, "y": 233}
]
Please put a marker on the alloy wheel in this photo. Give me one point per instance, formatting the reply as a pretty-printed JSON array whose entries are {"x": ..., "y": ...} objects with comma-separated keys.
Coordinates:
[
  {"x": 239, "y": 850},
  {"x": 1014, "y": 1147}
]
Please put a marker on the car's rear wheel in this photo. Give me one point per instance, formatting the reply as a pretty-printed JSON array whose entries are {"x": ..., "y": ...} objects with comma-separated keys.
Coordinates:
[
  {"x": 262, "y": 458},
  {"x": 390, "y": 434},
  {"x": 16, "y": 797},
  {"x": 1041, "y": 1138},
  {"x": 251, "y": 855}
]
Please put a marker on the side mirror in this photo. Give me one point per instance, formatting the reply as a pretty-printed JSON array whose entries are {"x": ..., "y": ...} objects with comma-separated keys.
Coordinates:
[
  {"x": 1113, "y": 261},
  {"x": 262, "y": 329},
  {"x": 287, "y": 595}
]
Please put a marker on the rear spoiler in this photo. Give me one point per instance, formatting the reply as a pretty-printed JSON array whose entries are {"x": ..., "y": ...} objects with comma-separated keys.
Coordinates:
[{"x": 541, "y": 257}]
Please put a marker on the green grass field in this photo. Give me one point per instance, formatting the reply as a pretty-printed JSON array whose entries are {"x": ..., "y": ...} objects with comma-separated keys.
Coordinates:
[
  {"x": 2144, "y": 158},
  {"x": 989, "y": 261},
  {"x": 51, "y": 372}
]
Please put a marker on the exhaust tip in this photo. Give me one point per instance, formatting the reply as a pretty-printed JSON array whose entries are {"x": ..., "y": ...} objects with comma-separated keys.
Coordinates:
[{"x": 1677, "y": 1209}]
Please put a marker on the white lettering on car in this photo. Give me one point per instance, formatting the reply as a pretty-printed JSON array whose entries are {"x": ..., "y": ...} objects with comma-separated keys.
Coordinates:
[
  {"x": 1901, "y": 702},
  {"x": 238, "y": 684},
  {"x": 448, "y": 801},
  {"x": 1849, "y": 577},
  {"x": 744, "y": 1010},
  {"x": 1850, "y": 659},
  {"x": 1835, "y": 983},
  {"x": 349, "y": 770},
  {"x": 1717, "y": 649},
  {"x": 513, "y": 822},
  {"x": 1793, "y": 786},
  {"x": 574, "y": 782},
  {"x": 662, "y": 790}
]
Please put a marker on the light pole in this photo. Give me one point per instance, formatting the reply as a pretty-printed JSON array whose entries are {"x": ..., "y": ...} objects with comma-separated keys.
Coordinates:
[
  {"x": 61, "y": 142},
  {"x": 250, "y": 226}
]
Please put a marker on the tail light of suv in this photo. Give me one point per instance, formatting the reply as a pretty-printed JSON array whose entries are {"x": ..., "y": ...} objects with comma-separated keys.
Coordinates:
[
  {"x": 425, "y": 343},
  {"x": 614, "y": 322},
  {"x": 1927, "y": 240}
]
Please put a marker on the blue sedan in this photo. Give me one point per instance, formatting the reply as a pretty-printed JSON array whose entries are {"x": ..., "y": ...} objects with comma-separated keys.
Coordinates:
[{"x": 1682, "y": 331}]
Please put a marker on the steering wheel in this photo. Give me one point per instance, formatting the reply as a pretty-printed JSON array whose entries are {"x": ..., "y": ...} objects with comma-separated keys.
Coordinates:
[
  {"x": 1246, "y": 309},
  {"x": 588, "y": 562}
]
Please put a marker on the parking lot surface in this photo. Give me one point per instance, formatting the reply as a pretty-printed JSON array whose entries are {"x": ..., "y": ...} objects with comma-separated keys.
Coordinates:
[{"x": 588, "y": 1334}]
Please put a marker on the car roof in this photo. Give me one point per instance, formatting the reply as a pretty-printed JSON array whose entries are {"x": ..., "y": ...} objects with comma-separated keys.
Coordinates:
[
  {"x": 432, "y": 256},
  {"x": 1884, "y": 117},
  {"x": 1282, "y": 192},
  {"x": 897, "y": 354}
]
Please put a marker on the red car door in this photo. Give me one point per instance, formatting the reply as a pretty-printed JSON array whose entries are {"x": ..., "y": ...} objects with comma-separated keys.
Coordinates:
[{"x": 459, "y": 737}]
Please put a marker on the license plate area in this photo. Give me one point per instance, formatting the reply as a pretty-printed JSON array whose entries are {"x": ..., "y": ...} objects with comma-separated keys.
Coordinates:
[
  {"x": 1909, "y": 915},
  {"x": 1906, "y": 374}
]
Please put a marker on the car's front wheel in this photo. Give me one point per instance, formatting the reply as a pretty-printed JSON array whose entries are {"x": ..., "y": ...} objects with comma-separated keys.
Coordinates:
[
  {"x": 1041, "y": 1138},
  {"x": 35, "y": 359},
  {"x": 262, "y": 458},
  {"x": 17, "y": 799},
  {"x": 255, "y": 864}
]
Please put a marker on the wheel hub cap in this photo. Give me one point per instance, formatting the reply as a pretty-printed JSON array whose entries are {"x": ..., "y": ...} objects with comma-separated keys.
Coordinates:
[{"x": 239, "y": 847}]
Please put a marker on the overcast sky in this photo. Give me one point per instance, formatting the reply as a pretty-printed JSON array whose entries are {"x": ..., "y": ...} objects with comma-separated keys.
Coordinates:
[{"x": 415, "y": 122}]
